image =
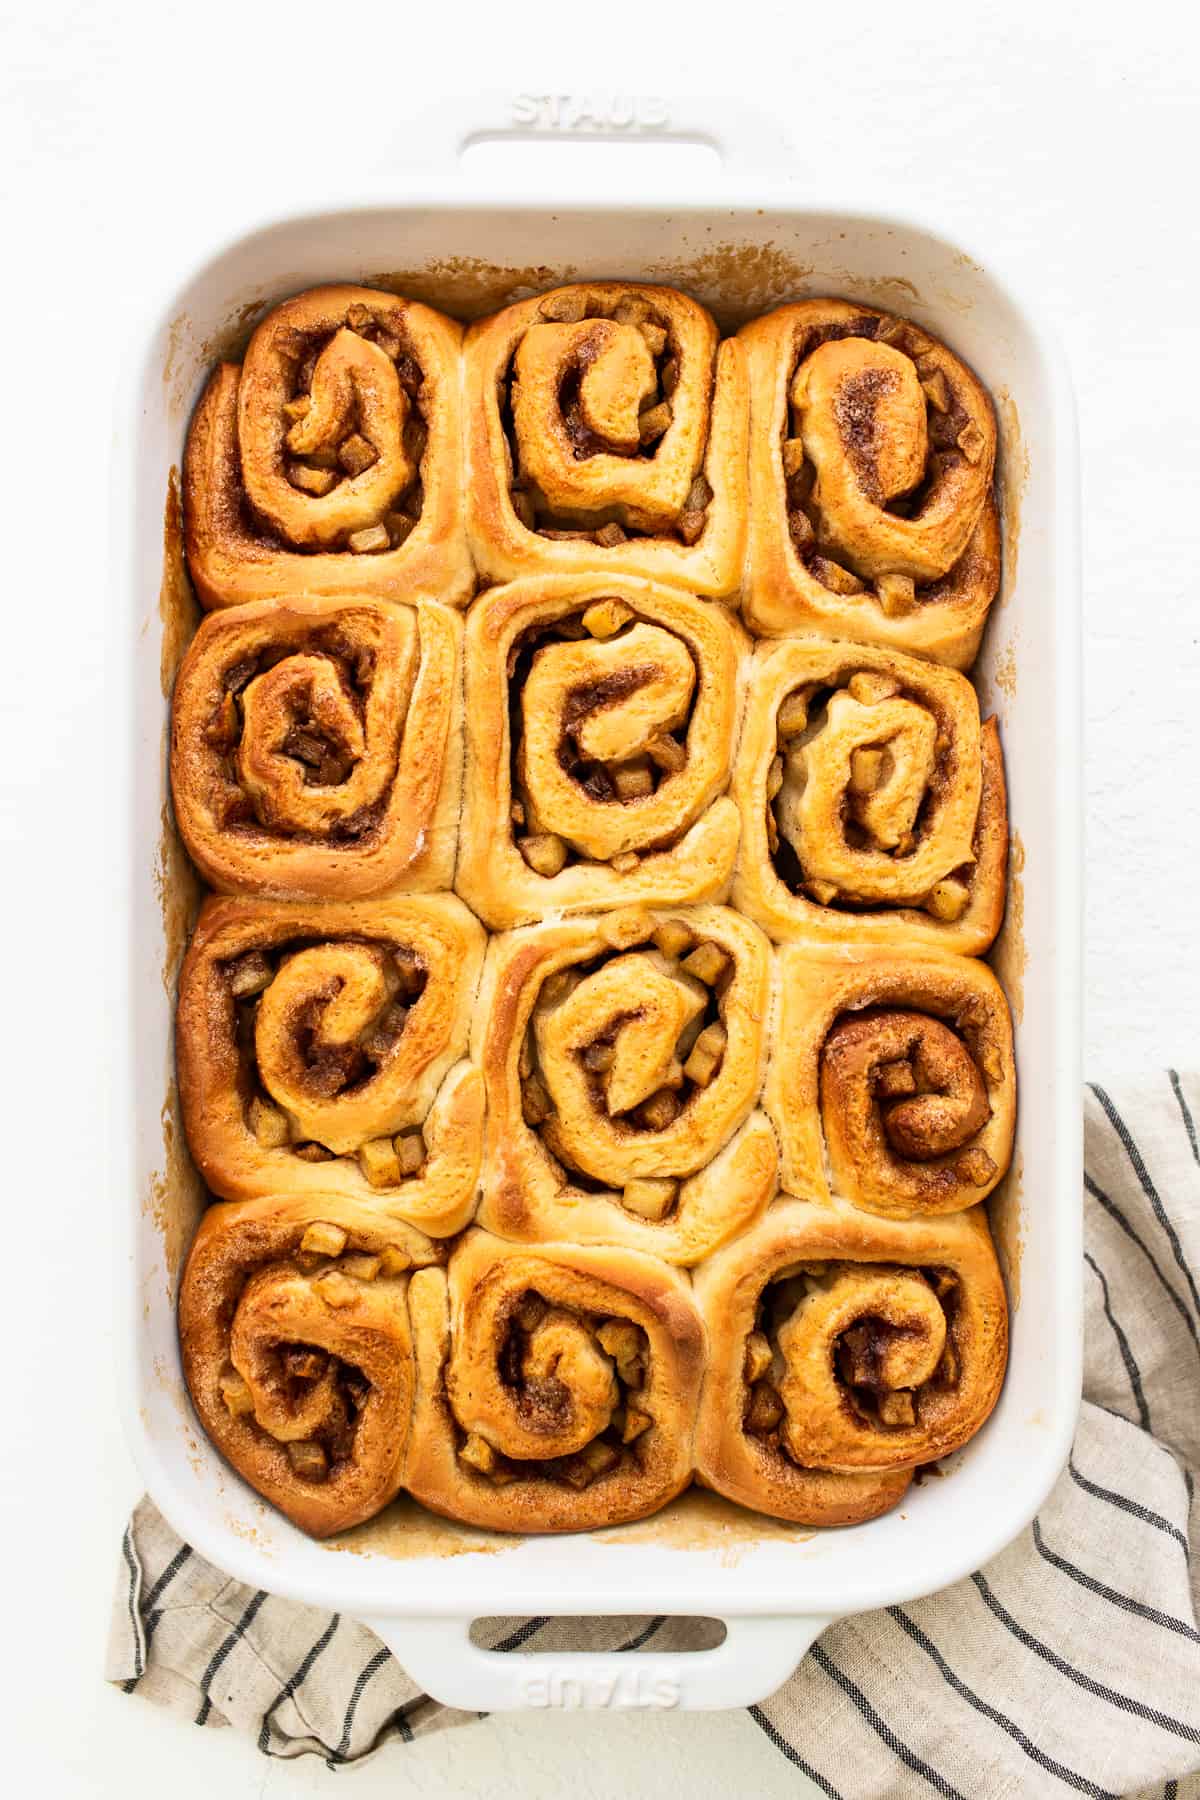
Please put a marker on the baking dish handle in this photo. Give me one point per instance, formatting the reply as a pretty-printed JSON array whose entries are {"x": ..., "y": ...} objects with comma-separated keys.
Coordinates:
[
  {"x": 747, "y": 141},
  {"x": 757, "y": 1656}
]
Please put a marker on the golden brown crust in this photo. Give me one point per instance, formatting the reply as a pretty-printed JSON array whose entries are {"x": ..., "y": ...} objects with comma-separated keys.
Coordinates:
[
  {"x": 387, "y": 378},
  {"x": 872, "y": 801},
  {"x": 891, "y": 1078},
  {"x": 844, "y": 1351},
  {"x": 316, "y": 748},
  {"x": 579, "y": 1152},
  {"x": 649, "y": 1086},
  {"x": 339, "y": 1068},
  {"x": 677, "y": 500},
  {"x": 299, "y": 1361},
  {"x": 645, "y": 695},
  {"x": 850, "y": 408},
  {"x": 577, "y": 1420}
]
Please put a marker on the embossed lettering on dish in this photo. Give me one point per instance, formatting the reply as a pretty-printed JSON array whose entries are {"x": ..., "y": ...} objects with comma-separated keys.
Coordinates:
[
  {"x": 630, "y": 1692},
  {"x": 590, "y": 112}
]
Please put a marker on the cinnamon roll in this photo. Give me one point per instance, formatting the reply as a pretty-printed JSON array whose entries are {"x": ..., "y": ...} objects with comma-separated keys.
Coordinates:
[
  {"x": 294, "y": 1331},
  {"x": 845, "y": 1351},
  {"x": 606, "y": 429},
  {"x": 556, "y": 1390},
  {"x": 327, "y": 462},
  {"x": 316, "y": 747},
  {"x": 893, "y": 1071},
  {"x": 872, "y": 515},
  {"x": 600, "y": 724},
  {"x": 623, "y": 1058},
  {"x": 872, "y": 801},
  {"x": 321, "y": 1050}
]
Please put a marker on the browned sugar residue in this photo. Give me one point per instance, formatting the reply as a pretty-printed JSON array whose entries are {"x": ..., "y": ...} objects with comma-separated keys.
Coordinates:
[
  {"x": 735, "y": 281},
  {"x": 699, "y": 1520},
  {"x": 250, "y": 1534},
  {"x": 468, "y": 287},
  {"x": 171, "y": 1385},
  {"x": 1009, "y": 956},
  {"x": 179, "y": 889},
  {"x": 1004, "y": 675},
  {"x": 179, "y": 896},
  {"x": 1005, "y": 1215},
  {"x": 1012, "y": 479},
  {"x": 176, "y": 1196},
  {"x": 405, "y": 1531},
  {"x": 177, "y": 606}
]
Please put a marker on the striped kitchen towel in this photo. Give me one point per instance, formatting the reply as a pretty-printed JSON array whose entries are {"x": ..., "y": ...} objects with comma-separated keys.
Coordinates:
[{"x": 1070, "y": 1663}]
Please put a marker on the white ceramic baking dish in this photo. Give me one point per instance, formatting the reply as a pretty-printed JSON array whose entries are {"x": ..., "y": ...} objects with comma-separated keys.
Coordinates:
[{"x": 755, "y": 242}]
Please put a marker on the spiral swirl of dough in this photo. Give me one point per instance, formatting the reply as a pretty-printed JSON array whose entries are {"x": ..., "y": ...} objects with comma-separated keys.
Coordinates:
[
  {"x": 863, "y": 421},
  {"x": 845, "y": 1351},
  {"x": 872, "y": 515},
  {"x": 315, "y": 749},
  {"x": 600, "y": 725},
  {"x": 872, "y": 800},
  {"x": 294, "y": 1329},
  {"x": 606, "y": 428},
  {"x": 555, "y": 1388},
  {"x": 327, "y": 461},
  {"x": 623, "y": 1057},
  {"x": 892, "y": 1078},
  {"x": 321, "y": 1049}
]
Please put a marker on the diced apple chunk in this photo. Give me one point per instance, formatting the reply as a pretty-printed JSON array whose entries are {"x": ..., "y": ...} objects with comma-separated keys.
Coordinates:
[
  {"x": 269, "y": 1125},
  {"x": 308, "y": 1459},
  {"x": 378, "y": 1162},
  {"x": 648, "y": 1197},
  {"x": 323, "y": 1239},
  {"x": 706, "y": 1055},
  {"x": 544, "y": 852},
  {"x": 604, "y": 617}
]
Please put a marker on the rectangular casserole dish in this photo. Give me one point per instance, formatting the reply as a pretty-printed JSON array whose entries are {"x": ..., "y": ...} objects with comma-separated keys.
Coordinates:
[{"x": 419, "y": 1581}]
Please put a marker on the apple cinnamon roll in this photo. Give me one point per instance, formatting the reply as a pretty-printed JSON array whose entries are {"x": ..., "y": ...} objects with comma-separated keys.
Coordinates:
[
  {"x": 600, "y": 724},
  {"x": 556, "y": 1390},
  {"x": 316, "y": 748},
  {"x": 844, "y": 1352},
  {"x": 872, "y": 801},
  {"x": 321, "y": 1049},
  {"x": 327, "y": 461},
  {"x": 297, "y": 1352},
  {"x": 623, "y": 1058},
  {"x": 891, "y": 1079},
  {"x": 606, "y": 428},
  {"x": 872, "y": 513}
]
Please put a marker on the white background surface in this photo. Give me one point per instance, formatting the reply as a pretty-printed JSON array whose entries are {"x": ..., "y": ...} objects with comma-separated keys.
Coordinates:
[{"x": 1052, "y": 138}]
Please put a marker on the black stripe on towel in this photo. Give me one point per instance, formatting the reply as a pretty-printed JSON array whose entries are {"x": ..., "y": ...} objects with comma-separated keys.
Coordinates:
[
  {"x": 1125, "y": 1601},
  {"x": 168, "y": 1575},
  {"x": 138, "y": 1664},
  {"x": 1123, "y": 1701},
  {"x": 372, "y": 1668},
  {"x": 908, "y": 1757},
  {"x": 643, "y": 1637},
  {"x": 780, "y": 1742},
  {"x": 1133, "y": 1507},
  {"x": 521, "y": 1635},
  {"x": 219, "y": 1655},
  {"x": 1143, "y": 1174},
  {"x": 1079, "y": 1782},
  {"x": 156, "y": 1613},
  {"x": 296, "y": 1681},
  {"x": 1189, "y": 1124},
  {"x": 1114, "y": 1212},
  {"x": 1127, "y": 1356}
]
